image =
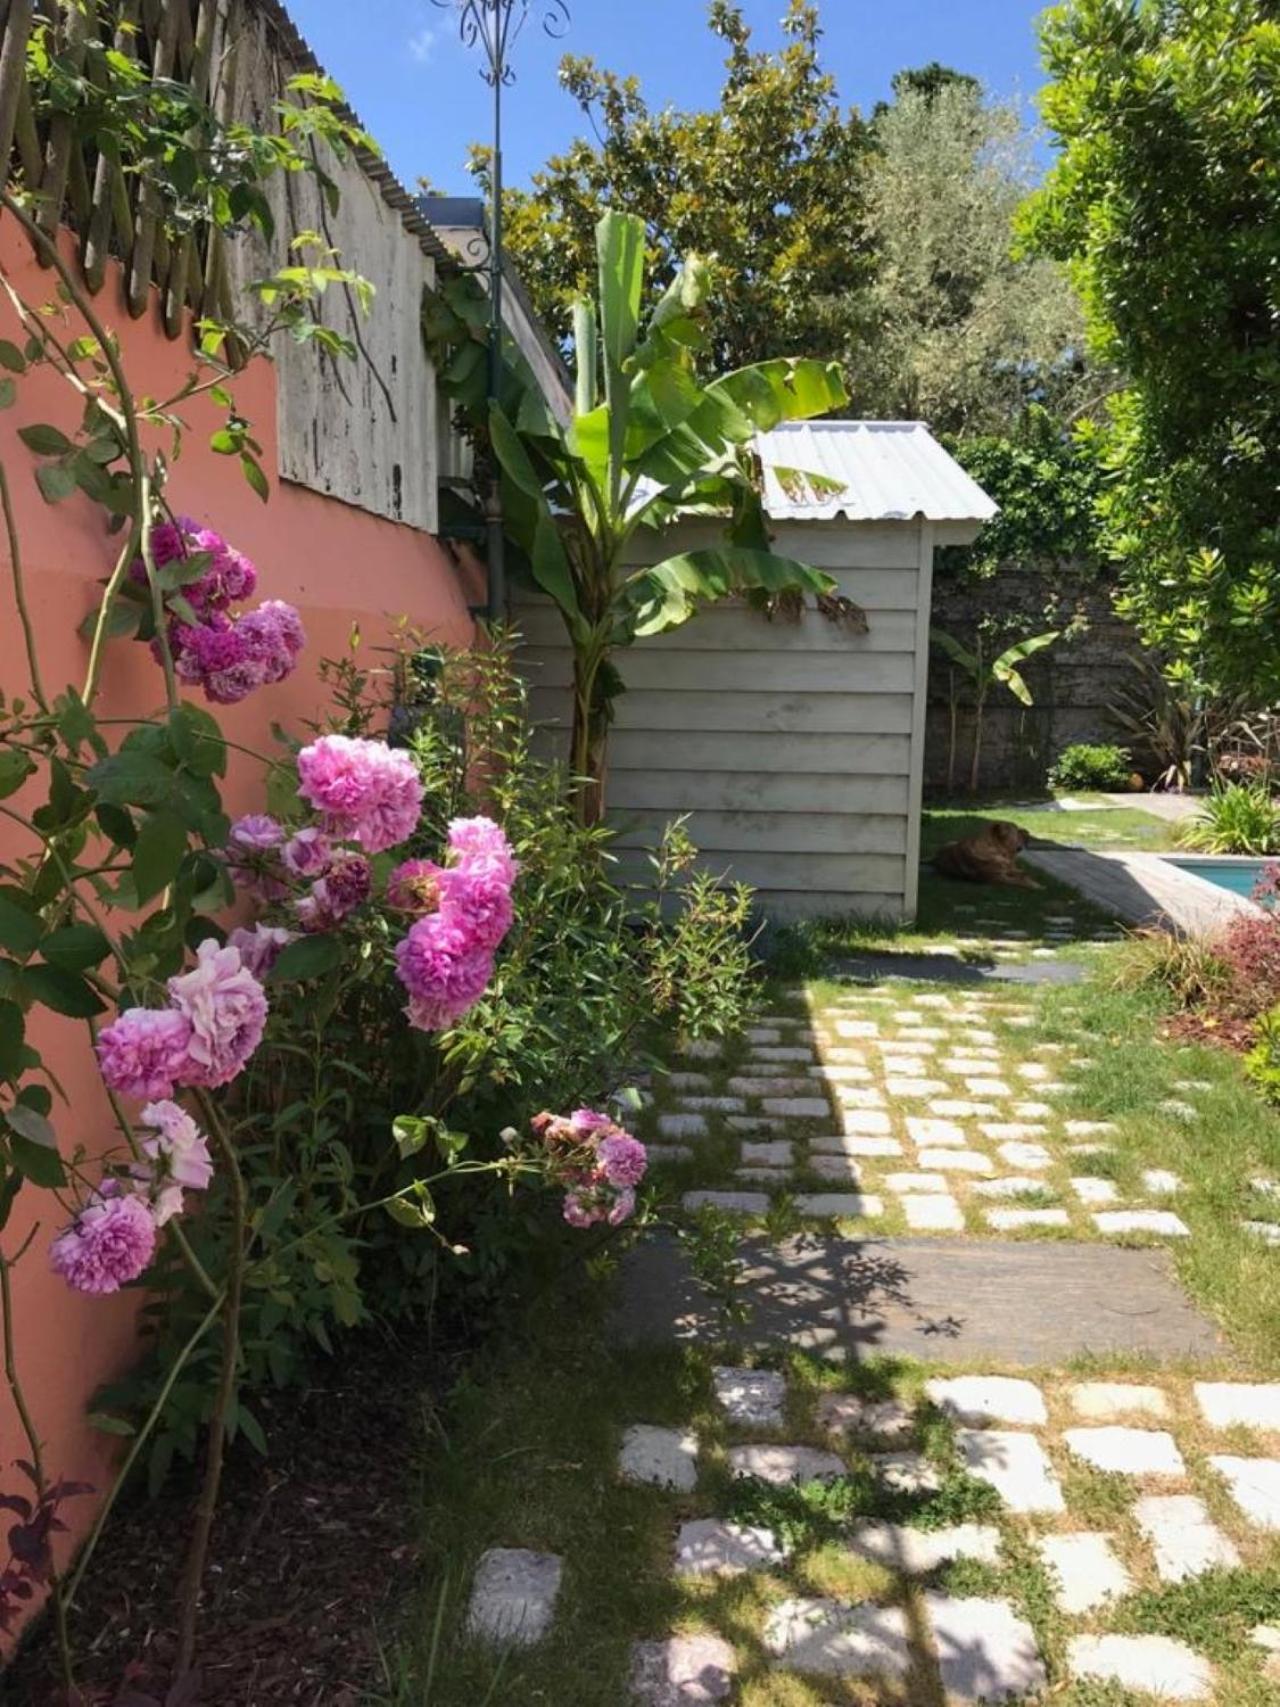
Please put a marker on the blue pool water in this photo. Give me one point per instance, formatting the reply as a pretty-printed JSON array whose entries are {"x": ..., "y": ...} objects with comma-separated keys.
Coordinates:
[{"x": 1239, "y": 876}]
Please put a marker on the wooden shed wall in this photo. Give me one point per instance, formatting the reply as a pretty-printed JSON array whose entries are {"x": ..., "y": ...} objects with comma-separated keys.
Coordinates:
[{"x": 796, "y": 747}]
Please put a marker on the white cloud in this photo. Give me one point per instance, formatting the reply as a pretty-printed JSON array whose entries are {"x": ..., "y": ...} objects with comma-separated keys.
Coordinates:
[{"x": 421, "y": 45}]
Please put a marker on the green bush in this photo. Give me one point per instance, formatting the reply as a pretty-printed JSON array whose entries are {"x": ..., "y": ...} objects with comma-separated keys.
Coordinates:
[
  {"x": 1096, "y": 766},
  {"x": 1262, "y": 1063},
  {"x": 1238, "y": 818}
]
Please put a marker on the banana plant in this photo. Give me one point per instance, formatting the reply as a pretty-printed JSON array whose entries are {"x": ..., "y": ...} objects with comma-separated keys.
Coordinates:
[
  {"x": 586, "y": 502},
  {"x": 986, "y": 673}
]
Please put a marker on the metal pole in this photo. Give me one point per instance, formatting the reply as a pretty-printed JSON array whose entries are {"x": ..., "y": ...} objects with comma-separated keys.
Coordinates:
[{"x": 496, "y": 547}]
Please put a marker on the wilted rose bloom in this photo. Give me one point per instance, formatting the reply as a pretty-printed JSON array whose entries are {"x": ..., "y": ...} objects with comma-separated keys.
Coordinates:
[
  {"x": 416, "y": 886},
  {"x": 260, "y": 946},
  {"x": 178, "y": 1147},
  {"x": 230, "y": 658},
  {"x": 110, "y": 1242},
  {"x": 227, "y": 1011},
  {"x": 144, "y": 1052},
  {"x": 253, "y": 853},
  {"x": 366, "y": 791},
  {"x": 307, "y": 853},
  {"x": 344, "y": 887},
  {"x": 229, "y": 577}
]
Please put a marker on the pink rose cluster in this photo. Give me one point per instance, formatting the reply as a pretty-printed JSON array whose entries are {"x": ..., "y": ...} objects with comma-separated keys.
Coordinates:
[
  {"x": 113, "y": 1238},
  {"x": 227, "y": 652},
  {"x": 465, "y": 910},
  {"x": 597, "y": 1162}
]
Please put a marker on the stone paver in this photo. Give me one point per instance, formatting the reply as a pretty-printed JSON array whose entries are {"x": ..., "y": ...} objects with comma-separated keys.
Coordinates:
[
  {"x": 1087, "y": 1573},
  {"x": 663, "y": 1457},
  {"x": 838, "y": 1205},
  {"x": 1094, "y": 1191},
  {"x": 785, "y": 1466},
  {"x": 908, "y": 1472},
  {"x": 1015, "y": 1465},
  {"x": 682, "y": 1125},
  {"x": 904, "y": 1183},
  {"x": 709, "y": 1548},
  {"x": 867, "y": 1123},
  {"x": 956, "y": 1162},
  {"x": 1100, "y": 1401},
  {"x": 985, "y": 1651},
  {"x": 916, "y": 1552},
  {"x": 1255, "y": 1487},
  {"x": 1156, "y": 1665},
  {"x": 770, "y": 1153},
  {"x": 797, "y": 1108},
  {"x": 1185, "y": 1540},
  {"x": 827, "y": 1639},
  {"x": 1010, "y": 1220},
  {"x": 980, "y": 1399},
  {"x": 850, "y": 1413},
  {"x": 933, "y": 1214},
  {"x": 1228, "y": 1404},
  {"x": 513, "y": 1596},
  {"x": 750, "y": 1398},
  {"x": 686, "y": 1671},
  {"x": 1161, "y": 1221},
  {"x": 1127, "y": 1451},
  {"x": 732, "y": 1202},
  {"x": 1013, "y": 1185}
]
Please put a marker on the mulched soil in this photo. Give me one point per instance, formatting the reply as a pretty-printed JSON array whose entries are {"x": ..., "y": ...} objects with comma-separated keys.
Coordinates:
[{"x": 313, "y": 1555}]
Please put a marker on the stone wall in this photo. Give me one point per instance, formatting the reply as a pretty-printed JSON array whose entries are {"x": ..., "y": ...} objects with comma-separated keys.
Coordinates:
[{"x": 1072, "y": 682}]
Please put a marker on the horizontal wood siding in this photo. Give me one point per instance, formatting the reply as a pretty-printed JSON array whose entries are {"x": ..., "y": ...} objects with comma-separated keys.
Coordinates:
[{"x": 789, "y": 744}]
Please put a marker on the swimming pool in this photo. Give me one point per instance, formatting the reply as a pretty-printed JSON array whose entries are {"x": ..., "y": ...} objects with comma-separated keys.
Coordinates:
[{"x": 1238, "y": 873}]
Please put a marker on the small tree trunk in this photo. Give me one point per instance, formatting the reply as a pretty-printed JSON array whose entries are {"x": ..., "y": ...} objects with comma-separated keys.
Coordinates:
[
  {"x": 979, "y": 710},
  {"x": 953, "y": 735},
  {"x": 588, "y": 747}
]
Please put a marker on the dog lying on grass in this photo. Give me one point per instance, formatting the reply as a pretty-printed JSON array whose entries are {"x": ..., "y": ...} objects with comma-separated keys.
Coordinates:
[{"x": 989, "y": 857}]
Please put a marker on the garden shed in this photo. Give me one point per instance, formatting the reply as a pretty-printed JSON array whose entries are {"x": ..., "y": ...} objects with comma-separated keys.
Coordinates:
[{"x": 796, "y": 746}]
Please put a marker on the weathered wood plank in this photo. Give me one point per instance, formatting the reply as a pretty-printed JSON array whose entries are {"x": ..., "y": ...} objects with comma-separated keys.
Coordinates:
[
  {"x": 709, "y": 672},
  {"x": 745, "y": 711},
  {"x": 772, "y": 832},
  {"x": 686, "y": 791},
  {"x": 737, "y": 628},
  {"x": 766, "y": 754},
  {"x": 833, "y": 874}
]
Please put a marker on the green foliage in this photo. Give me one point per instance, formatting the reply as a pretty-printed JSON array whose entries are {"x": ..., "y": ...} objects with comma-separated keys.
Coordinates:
[
  {"x": 766, "y": 184},
  {"x": 985, "y": 668},
  {"x": 1092, "y": 766},
  {"x": 649, "y": 440},
  {"x": 1238, "y": 818},
  {"x": 1164, "y": 202},
  {"x": 1262, "y": 1063}
]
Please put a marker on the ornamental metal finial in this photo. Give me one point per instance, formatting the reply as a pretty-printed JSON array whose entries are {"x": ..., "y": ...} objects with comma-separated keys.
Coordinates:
[{"x": 496, "y": 24}]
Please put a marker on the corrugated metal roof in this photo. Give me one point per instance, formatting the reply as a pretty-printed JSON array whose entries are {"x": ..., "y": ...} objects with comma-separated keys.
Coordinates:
[{"x": 870, "y": 471}]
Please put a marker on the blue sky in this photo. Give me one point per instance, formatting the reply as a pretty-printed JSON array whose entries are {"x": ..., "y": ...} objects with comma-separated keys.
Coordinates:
[{"x": 419, "y": 91}]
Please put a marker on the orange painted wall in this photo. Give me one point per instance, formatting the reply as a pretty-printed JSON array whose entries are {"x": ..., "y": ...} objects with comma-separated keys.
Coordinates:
[{"x": 339, "y": 566}]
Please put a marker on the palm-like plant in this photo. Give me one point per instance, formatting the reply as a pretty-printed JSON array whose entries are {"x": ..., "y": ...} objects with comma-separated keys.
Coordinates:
[
  {"x": 986, "y": 673},
  {"x": 649, "y": 441}
]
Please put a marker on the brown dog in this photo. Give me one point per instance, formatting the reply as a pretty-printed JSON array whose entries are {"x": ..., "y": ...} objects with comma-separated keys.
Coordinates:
[{"x": 989, "y": 857}]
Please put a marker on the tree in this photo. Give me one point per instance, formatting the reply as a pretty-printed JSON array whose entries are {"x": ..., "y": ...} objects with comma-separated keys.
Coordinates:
[
  {"x": 766, "y": 186},
  {"x": 954, "y": 328},
  {"x": 1165, "y": 202},
  {"x": 585, "y": 505},
  {"x": 985, "y": 671}
]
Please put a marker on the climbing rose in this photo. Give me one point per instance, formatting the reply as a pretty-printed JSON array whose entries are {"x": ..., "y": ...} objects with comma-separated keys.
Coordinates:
[
  {"x": 178, "y": 1142},
  {"x": 343, "y": 888},
  {"x": 623, "y": 1159},
  {"x": 110, "y": 1242},
  {"x": 367, "y": 792},
  {"x": 416, "y": 886},
  {"x": 227, "y": 1012},
  {"x": 232, "y": 657},
  {"x": 443, "y": 971},
  {"x": 480, "y": 840},
  {"x": 143, "y": 1053},
  {"x": 478, "y": 896},
  {"x": 307, "y": 853},
  {"x": 597, "y": 1163},
  {"x": 228, "y": 578},
  {"x": 260, "y": 946},
  {"x": 252, "y": 849}
]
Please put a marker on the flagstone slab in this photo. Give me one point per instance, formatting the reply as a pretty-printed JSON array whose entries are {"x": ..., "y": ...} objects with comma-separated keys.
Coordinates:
[
  {"x": 772, "y": 1087},
  {"x": 908, "y": 1182},
  {"x": 782, "y": 1052},
  {"x": 960, "y": 1108},
  {"x": 916, "y": 1552},
  {"x": 842, "y": 1170},
  {"x": 712, "y": 1105},
  {"x": 1013, "y": 1220},
  {"x": 987, "y": 1087},
  {"x": 955, "y": 1162},
  {"x": 661, "y": 1457},
  {"x": 1185, "y": 1540},
  {"x": 933, "y": 1214},
  {"x": 1007, "y": 1131},
  {"x": 1160, "y": 1182},
  {"x": 1086, "y": 1570},
  {"x": 683, "y": 1125},
  {"x": 685, "y": 1671},
  {"x": 859, "y": 1096},
  {"x": 1094, "y": 1191},
  {"x": 732, "y": 1202},
  {"x": 513, "y": 1596},
  {"x": 981, "y": 1399},
  {"x": 847, "y": 1144},
  {"x": 1124, "y": 1451},
  {"x": 1155, "y": 1665},
  {"x": 1088, "y": 1128},
  {"x": 1231, "y": 1404},
  {"x": 709, "y": 1548},
  {"x": 852, "y": 1413},
  {"x": 915, "y": 1090},
  {"x": 929, "y": 1130},
  {"x": 1161, "y": 1221},
  {"x": 1014, "y": 1185},
  {"x": 985, "y": 1652},
  {"x": 1031, "y": 1158},
  {"x": 1255, "y": 1487},
  {"x": 907, "y": 1472},
  {"x": 1015, "y": 1465},
  {"x": 751, "y": 1398},
  {"x": 797, "y": 1108},
  {"x": 825, "y": 1638},
  {"x": 867, "y": 1122},
  {"x": 785, "y": 1466},
  {"x": 1100, "y": 1401},
  {"x": 838, "y": 1205}
]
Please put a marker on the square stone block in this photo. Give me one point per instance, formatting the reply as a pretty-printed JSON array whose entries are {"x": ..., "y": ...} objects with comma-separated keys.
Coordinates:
[
  {"x": 682, "y": 1125},
  {"x": 986, "y": 1653},
  {"x": 841, "y": 1170},
  {"x": 1184, "y": 1538},
  {"x": 1151, "y": 1665},
  {"x": 1093, "y": 1191},
  {"x": 785, "y": 1466},
  {"x": 916, "y": 1552},
  {"x": 1014, "y": 1185},
  {"x": 982, "y": 1399},
  {"x": 513, "y": 1596},
  {"x": 908, "y": 1472},
  {"x": 775, "y": 1153},
  {"x": 852, "y": 1413},
  {"x": 1031, "y": 1158},
  {"x": 1127, "y": 1451},
  {"x": 1231, "y": 1404},
  {"x": 662, "y": 1457},
  {"x": 933, "y": 1214},
  {"x": 825, "y": 1638},
  {"x": 797, "y": 1108},
  {"x": 1161, "y": 1221},
  {"x": 684, "y": 1671},
  {"x": 709, "y": 1548},
  {"x": 1255, "y": 1487},
  {"x": 1100, "y": 1401},
  {"x": 987, "y": 1087},
  {"x": 751, "y": 1398},
  {"x": 1015, "y": 1465},
  {"x": 867, "y": 1122},
  {"x": 915, "y": 1090},
  {"x": 927, "y": 1129},
  {"x": 1086, "y": 1570}
]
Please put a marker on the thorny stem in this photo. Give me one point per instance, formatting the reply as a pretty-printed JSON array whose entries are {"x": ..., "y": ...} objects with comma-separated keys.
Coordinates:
[
  {"x": 37, "y": 1463},
  {"x": 207, "y": 1504},
  {"x": 20, "y": 593}
]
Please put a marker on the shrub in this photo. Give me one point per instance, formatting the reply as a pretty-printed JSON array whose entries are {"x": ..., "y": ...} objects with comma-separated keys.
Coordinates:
[
  {"x": 1084, "y": 765},
  {"x": 1187, "y": 968},
  {"x": 1262, "y": 1063},
  {"x": 1250, "y": 950},
  {"x": 1237, "y": 818}
]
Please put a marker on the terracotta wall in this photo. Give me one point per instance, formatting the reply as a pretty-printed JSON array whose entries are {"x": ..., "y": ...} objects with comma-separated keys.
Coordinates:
[{"x": 339, "y": 566}]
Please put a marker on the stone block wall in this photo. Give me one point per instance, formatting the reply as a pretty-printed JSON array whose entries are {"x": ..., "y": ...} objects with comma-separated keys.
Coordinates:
[{"x": 1072, "y": 682}]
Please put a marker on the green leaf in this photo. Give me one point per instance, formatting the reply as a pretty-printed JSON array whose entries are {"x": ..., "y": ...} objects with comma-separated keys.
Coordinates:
[
  {"x": 15, "y": 768},
  {"x": 20, "y": 928},
  {"x": 105, "y": 1423},
  {"x": 65, "y": 992},
  {"x": 620, "y": 256},
  {"x": 157, "y": 854},
  {"x": 8, "y": 394},
  {"x": 34, "y": 1146},
  {"x": 45, "y": 440},
  {"x": 11, "y": 357},
  {"x": 411, "y": 1132},
  {"x": 116, "y": 824},
  {"x": 253, "y": 474},
  {"x": 55, "y": 481},
  {"x": 309, "y": 957},
  {"x": 12, "y": 1036},
  {"x": 668, "y": 593},
  {"x": 75, "y": 948}
]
